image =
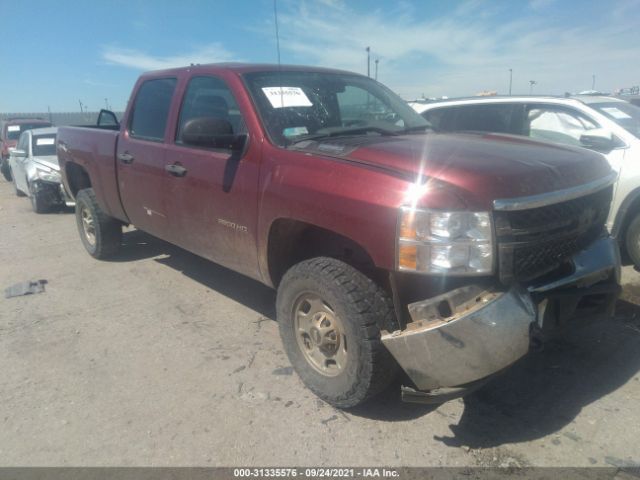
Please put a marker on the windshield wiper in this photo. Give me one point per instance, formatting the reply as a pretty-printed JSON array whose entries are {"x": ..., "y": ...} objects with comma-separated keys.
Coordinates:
[
  {"x": 346, "y": 131},
  {"x": 416, "y": 128}
]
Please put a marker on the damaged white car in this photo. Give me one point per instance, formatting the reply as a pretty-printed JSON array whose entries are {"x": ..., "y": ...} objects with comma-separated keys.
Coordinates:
[{"x": 35, "y": 170}]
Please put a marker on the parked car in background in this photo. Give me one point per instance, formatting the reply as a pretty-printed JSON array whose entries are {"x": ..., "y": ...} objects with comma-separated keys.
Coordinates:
[
  {"x": 388, "y": 245},
  {"x": 10, "y": 131},
  {"x": 35, "y": 171},
  {"x": 632, "y": 99},
  {"x": 608, "y": 125}
]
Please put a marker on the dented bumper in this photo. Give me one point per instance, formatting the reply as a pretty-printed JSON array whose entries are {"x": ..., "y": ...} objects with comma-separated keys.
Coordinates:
[{"x": 472, "y": 332}]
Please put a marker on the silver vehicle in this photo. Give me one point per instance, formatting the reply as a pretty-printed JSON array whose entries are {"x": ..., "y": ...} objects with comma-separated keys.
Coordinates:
[{"x": 35, "y": 170}]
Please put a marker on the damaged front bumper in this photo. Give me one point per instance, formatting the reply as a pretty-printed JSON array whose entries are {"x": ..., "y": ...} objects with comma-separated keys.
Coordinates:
[
  {"x": 54, "y": 193},
  {"x": 461, "y": 338}
]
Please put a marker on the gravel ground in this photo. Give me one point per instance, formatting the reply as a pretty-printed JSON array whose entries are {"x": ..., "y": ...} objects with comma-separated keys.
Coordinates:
[{"x": 161, "y": 358}]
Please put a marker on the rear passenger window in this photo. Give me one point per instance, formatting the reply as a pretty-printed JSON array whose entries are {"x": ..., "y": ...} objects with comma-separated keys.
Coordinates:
[
  {"x": 485, "y": 118},
  {"x": 441, "y": 118},
  {"x": 209, "y": 97},
  {"x": 151, "y": 109}
]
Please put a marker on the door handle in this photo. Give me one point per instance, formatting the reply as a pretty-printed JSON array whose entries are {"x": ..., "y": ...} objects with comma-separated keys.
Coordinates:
[
  {"x": 125, "y": 158},
  {"x": 176, "y": 170}
]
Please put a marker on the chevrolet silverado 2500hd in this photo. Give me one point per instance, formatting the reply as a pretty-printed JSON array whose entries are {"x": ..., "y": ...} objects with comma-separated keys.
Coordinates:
[{"x": 445, "y": 255}]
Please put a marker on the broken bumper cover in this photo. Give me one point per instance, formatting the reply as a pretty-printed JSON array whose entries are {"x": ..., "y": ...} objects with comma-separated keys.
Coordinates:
[
  {"x": 471, "y": 333},
  {"x": 54, "y": 192}
]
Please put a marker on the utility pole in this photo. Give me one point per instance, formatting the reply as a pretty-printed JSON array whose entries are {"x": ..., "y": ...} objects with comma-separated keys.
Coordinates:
[
  {"x": 106, "y": 103},
  {"x": 531, "y": 84},
  {"x": 49, "y": 110},
  {"x": 368, "y": 61},
  {"x": 377, "y": 60},
  {"x": 510, "y": 80}
]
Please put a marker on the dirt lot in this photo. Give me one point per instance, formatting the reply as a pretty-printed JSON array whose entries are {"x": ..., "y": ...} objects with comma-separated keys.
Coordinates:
[{"x": 161, "y": 358}]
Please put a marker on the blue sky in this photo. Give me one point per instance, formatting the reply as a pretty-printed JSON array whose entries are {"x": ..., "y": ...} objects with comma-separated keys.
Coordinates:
[{"x": 59, "y": 53}]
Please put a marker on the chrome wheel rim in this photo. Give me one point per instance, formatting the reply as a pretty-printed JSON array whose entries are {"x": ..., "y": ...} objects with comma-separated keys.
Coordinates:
[
  {"x": 88, "y": 225},
  {"x": 320, "y": 335}
]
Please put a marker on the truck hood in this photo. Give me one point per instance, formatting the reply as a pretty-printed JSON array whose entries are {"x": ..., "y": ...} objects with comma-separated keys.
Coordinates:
[{"x": 478, "y": 167}]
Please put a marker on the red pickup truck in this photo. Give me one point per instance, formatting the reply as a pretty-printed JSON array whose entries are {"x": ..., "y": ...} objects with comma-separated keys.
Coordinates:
[{"x": 391, "y": 246}]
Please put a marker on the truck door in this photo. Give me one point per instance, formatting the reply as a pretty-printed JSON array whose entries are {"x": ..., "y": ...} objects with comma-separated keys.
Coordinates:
[
  {"x": 141, "y": 156},
  {"x": 214, "y": 191}
]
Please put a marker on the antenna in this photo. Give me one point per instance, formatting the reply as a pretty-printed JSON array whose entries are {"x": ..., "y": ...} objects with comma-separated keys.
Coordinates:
[{"x": 275, "y": 15}]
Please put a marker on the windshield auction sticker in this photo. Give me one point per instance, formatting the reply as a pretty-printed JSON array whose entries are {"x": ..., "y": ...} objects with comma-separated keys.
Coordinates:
[
  {"x": 45, "y": 141},
  {"x": 286, "y": 97},
  {"x": 13, "y": 128}
]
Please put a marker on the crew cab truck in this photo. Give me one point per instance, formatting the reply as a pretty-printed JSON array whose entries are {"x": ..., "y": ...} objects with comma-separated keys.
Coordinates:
[{"x": 391, "y": 247}]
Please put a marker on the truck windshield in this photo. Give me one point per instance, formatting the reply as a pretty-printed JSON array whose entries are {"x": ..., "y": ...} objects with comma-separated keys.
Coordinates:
[
  {"x": 295, "y": 106},
  {"x": 624, "y": 114},
  {"x": 44, "y": 145}
]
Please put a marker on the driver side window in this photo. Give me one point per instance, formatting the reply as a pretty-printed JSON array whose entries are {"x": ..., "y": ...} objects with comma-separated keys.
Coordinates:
[{"x": 210, "y": 97}]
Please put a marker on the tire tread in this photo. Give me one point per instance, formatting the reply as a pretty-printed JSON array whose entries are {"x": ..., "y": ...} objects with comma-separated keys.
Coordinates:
[
  {"x": 108, "y": 229},
  {"x": 374, "y": 311}
]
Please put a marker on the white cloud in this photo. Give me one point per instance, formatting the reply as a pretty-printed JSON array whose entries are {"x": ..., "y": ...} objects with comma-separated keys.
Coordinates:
[
  {"x": 464, "y": 51},
  {"x": 139, "y": 60}
]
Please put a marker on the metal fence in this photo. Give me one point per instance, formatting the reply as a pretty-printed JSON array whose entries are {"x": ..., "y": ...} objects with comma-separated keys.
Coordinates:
[{"x": 60, "y": 118}]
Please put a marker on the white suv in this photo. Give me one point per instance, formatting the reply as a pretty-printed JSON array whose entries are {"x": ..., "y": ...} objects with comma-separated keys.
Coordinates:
[{"x": 608, "y": 125}]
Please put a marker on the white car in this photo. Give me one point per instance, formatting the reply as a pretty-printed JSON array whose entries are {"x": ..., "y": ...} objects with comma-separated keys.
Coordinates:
[
  {"x": 606, "y": 124},
  {"x": 35, "y": 170}
]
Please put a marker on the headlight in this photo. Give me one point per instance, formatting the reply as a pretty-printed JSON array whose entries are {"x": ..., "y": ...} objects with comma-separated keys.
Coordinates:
[
  {"x": 458, "y": 243},
  {"x": 47, "y": 174}
]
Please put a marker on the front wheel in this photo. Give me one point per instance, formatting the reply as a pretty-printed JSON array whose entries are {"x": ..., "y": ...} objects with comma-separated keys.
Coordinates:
[
  {"x": 101, "y": 234},
  {"x": 632, "y": 240},
  {"x": 330, "y": 316},
  {"x": 19, "y": 193}
]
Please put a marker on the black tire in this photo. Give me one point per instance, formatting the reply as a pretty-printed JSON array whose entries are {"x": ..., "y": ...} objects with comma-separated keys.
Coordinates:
[
  {"x": 19, "y": 193},
  {"x": 6, "y": 170},
  {"x": 632, "y": 240},
  {"x": 363, "y": 309},
  {"x": 38, "y": 202},
  {"x": 107, "y": 231}
]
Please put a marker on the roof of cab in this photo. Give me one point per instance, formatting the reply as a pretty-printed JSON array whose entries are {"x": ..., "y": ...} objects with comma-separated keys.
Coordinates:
[
  {"x": 44, "y": 131},
  {"x": 241, "y": 68},
  {"x": 21, "y": 120}
]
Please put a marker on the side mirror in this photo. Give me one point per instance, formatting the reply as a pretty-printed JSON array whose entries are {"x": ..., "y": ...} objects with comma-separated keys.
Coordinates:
[
  {"x": 18, "y": 153},
  {"x": 212, "y": 133},
  {"x": 106, "y": 118},
  {"x": 598, "y": 139}
]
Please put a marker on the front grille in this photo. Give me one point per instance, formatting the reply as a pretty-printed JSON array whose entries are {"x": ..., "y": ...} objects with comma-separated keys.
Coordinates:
[{"x": 537, "y": 241}]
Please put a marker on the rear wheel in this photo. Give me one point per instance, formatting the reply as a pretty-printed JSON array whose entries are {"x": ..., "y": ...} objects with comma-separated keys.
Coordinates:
[
  {"x": 632, "y": 240},
  {"x": 101, "y": 234},
  {"x": 330, "y": 316},
  {"x": 6, "y": 169}
]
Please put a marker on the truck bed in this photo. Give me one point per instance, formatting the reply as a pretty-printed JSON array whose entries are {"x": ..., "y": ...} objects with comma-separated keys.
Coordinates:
[{"x": 94, "y": 149}]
